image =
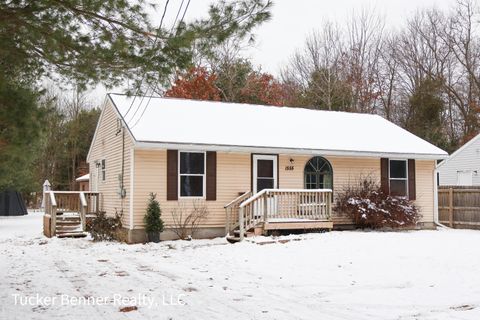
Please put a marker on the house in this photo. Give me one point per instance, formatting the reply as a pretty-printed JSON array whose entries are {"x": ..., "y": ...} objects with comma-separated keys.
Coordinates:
[
  {"x": 462, "y": 167},
  {"x": 83, "y": 182},
  {"x": 251, "y": 166}
]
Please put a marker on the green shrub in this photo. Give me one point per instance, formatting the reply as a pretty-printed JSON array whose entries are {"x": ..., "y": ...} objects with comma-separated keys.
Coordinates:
[{"x": 152, "y": 219}]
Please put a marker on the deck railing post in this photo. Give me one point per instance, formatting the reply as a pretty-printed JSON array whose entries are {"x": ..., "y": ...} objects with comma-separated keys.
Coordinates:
[
  {"x": 241, "y": 222},
  {"x": 265, "y": 207},
  {"x": 97, "y": 203},
  {"x": 227, "y": 223},
  {"x": 53, "y": 213},
  {"x": 83, "y": 210},
  {"x": 328, "y": 196}
]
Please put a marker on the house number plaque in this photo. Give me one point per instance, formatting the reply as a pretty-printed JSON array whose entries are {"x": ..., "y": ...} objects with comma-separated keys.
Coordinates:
[{"x": 289, "y": 168}]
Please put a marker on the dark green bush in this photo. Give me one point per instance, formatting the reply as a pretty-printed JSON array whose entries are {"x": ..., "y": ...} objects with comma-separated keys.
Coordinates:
[{"x": 152, "y": 219}]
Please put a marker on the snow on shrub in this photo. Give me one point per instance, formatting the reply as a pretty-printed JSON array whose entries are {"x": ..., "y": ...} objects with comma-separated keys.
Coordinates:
[{"x": 369, "y": 207}]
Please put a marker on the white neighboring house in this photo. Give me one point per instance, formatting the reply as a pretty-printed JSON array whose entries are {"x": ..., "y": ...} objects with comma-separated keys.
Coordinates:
[{"x": 462, "y": 168}]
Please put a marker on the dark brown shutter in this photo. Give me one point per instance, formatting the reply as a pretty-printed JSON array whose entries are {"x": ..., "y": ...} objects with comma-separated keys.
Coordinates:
[
  {"x": 384, "y": 183},
  {"x": 411, "y": 179},
  {"x": 211, "y": 175},
  {"x": 172, "y": 174}
]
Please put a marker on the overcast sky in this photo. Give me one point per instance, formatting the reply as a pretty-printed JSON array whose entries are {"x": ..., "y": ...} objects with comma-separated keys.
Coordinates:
[{"x": 293, "y": 20}]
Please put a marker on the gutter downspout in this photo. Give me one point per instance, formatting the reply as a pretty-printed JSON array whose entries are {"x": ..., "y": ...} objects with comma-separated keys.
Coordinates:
[{"x": 435, "y": 198}]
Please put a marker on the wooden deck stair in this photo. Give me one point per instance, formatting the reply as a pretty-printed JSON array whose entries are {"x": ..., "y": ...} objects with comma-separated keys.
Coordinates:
[
  {"x": 69, "y": 226},
  {"x": 66, "y": 213}
]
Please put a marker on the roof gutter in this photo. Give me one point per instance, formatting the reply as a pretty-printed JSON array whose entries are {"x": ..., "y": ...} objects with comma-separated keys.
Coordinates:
[{"x": 146, "y": 145}]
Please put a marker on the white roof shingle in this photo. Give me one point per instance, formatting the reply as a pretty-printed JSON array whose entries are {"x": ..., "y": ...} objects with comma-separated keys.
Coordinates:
[{"x": 180, "y": 121}]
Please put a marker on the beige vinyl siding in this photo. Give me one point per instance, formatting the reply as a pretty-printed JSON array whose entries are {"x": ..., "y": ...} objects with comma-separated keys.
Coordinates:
[
  {"x": 424, "y": 177},
  {"x": 233, "y": 176},
  {"x": 345, "y": 170},
  {"x": 107, "y": 145}
]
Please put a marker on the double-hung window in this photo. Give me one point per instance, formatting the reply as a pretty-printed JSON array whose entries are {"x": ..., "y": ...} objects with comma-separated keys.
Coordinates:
[
  {"x": 192, "y": 174},
  {"x": 398, "y": 178},
  {"x": 104, "y": 170}
]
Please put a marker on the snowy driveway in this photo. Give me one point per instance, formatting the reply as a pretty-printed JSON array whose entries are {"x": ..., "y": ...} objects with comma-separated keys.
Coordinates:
[{"x": 336, "y": 275}]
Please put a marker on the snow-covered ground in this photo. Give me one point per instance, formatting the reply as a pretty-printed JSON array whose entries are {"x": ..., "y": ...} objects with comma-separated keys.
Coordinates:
[{"x": 336, "y": 275}]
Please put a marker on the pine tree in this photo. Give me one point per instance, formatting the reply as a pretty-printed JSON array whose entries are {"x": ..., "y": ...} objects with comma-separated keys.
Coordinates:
[
  {"x": 427, "y": 107},
  {"x": 112, "y": 41},
  {"x": 21, "y": 121},
  {"x": 152, "y": 219}
]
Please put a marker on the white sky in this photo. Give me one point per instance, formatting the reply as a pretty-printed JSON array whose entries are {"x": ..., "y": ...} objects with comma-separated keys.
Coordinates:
[{"x": 293, "y": 20}]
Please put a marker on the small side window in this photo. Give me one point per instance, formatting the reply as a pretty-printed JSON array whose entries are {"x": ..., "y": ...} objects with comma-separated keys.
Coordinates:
[{"x": 104, "y": 170}]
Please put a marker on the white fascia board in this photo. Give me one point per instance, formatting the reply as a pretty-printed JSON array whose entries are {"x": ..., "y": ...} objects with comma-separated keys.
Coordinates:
[{"x": 247, "y": 149}]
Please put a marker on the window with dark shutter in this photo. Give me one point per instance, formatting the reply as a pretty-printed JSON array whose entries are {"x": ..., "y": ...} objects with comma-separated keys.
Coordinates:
[
  {"x": 398, "y": 177},
  {"x": 411, "y": 180},
  {"x": 384, "y": 183},
  {"x": 211, "y": 176},
  {"x": 172, "y": 175}
]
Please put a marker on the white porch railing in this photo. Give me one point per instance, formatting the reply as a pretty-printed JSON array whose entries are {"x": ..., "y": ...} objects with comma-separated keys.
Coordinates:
[
  {"x": 231, "y": 212},
  {"x": 82, "y": 203},
  {"x": 273, "y": 205}
]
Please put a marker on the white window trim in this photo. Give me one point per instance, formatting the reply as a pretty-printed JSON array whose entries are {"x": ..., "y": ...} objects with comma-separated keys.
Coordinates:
[
  {"x": 404, "y": 179},
  {"x": 275, "y": 169},
  {"x": 204, "y": 175}
]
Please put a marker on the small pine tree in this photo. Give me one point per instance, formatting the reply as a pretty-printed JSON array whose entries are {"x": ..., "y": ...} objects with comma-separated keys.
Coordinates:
[{"x": 152, "y": 219}]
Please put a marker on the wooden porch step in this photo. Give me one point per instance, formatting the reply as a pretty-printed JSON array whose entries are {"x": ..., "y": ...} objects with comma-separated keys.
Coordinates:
[
  {"x": 72, "y": 234},
  {"x": 247, "y": 234},
  {"x": 71, "y": 218},
  {"x": 68, "y": 229},
  {"x": 68, "y": 222},
  {"x": 233, "y": 239},
  {"x": 298, "y": 225}
]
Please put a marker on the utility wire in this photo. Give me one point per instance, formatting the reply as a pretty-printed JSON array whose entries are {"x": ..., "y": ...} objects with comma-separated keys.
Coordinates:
[
  {"x": 154, "y": 44},
  {"x": 150, "y": 97}
]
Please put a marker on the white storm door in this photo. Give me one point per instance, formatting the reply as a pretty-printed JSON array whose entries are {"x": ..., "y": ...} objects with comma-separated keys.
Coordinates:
[
  {"x": 264, "y": 177},
  {"x": 264, "y": 172}
]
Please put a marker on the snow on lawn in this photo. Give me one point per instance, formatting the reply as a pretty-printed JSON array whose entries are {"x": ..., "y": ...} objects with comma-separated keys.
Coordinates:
[{"x": 336, "y": 275}]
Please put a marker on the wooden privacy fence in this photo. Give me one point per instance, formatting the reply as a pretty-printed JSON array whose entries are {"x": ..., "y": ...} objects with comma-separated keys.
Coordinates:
[{"x": 459, "y": 206}]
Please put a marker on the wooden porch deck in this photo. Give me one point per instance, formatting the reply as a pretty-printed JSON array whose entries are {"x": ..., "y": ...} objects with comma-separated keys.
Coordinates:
[
  {"x": 278, "y": 209},
  {"x": 286, "y": 224}
]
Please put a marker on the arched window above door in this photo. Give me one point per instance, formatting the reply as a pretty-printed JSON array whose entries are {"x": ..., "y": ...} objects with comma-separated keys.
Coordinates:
[{"x": 318, "y": 174}]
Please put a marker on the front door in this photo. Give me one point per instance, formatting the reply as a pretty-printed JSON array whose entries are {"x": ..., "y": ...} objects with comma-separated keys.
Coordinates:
[
  {"x": 264, "y": 177},
  {"x": 264, "y": 172}
]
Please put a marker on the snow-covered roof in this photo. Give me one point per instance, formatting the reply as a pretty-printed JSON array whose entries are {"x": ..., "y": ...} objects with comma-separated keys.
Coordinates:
[
  {"x": 85, "y": 177},
  {"x": 233, "y": 126}
]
